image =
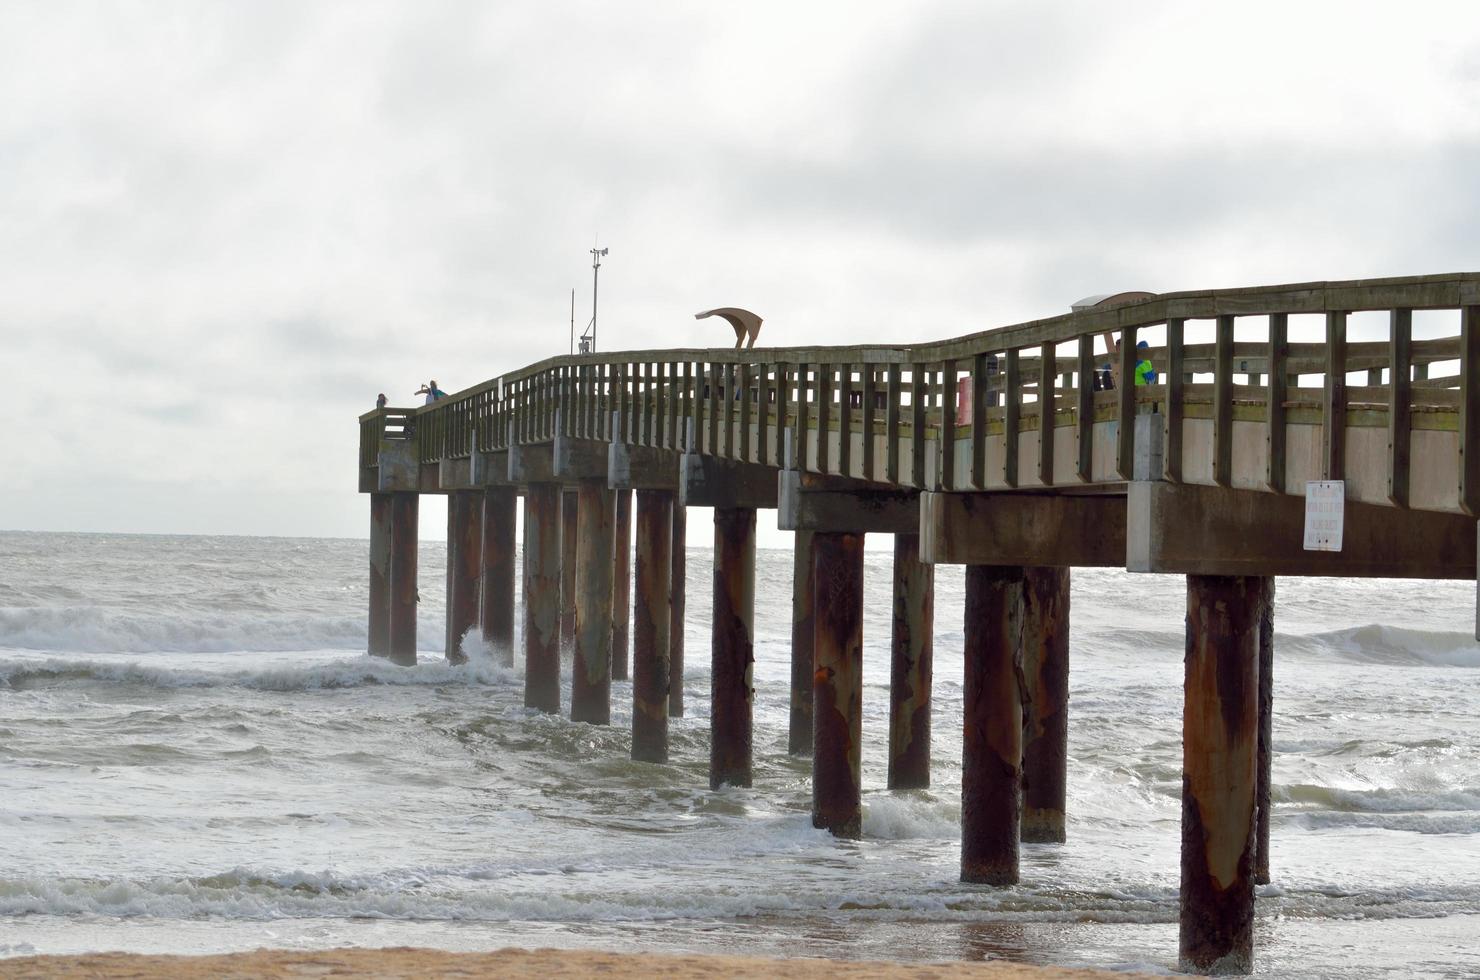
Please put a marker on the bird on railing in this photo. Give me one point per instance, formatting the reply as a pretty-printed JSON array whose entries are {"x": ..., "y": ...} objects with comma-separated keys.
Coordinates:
[{"x": 747, "y": 325}]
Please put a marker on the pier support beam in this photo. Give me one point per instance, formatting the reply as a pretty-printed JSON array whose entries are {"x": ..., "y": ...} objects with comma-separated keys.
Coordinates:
[
  {"x": 569, "y": 535},
  {"x": 380, "y": 575},
  {"x": 496, "y": 605},
  {"x": 404, "y": 507},
  {"x": 837, "y": 684},
  {"x": 911, "y": 666},
  {"x": 1220, "y": 735},
  {"x": 677, "y": 598},
  {"x": 803, "y": 626},
  {"x": 591, "y": 667},
  {"x": 1266, "y": 731},
  {"x": 992, "y": 746},
  {"x": 732, "y": 647},
  {"x": 622, "y": 585},
  {"x": 651, "y": 623},
  {"x": 542, "y": 515},
  {"x": 1046, "y": 671},
  {"x": 464, "y": 562}
]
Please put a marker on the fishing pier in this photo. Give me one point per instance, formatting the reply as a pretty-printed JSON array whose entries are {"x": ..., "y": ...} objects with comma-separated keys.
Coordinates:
[{"x": 1000, "y": 451}]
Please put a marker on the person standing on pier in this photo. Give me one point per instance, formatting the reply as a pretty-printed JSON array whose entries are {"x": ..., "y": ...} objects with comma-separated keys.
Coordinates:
[{"x": 1145, "y": 370}]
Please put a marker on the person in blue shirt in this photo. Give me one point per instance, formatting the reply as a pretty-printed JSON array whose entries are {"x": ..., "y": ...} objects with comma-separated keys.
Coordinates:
[{"x": 1145, "y": 370}]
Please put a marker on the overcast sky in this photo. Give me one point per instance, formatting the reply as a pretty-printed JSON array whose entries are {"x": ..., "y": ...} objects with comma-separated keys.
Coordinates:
[{"x": 224, "y": 227}]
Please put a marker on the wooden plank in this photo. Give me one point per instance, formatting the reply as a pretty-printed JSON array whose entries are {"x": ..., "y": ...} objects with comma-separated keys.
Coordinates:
[
  {"x": 892, "y": 396},
  {"x": 1469, "y": 412},
  {"x": 979, "y": 382},
  {"x": 1125, "y": 441},
  {"x": 919, "y": 387},
  {"x": 870, "y": 412},
  {"x": 1333, "y": 407},
  {"x": 1084, "y": 408},
  {"x": 845, "y": 419},
  {"x": 1176, "y": 398},
  {"x": 1274, "y": 424},
  {"x": 948, "y": 425},
  {"x": 1046, "y": 402},
  {"x": 1012, "y": 408},
  {"x": 824, "y": 411},
  {"x": 1223, "y": 403},
  {"x": 1400, "y": 394}
]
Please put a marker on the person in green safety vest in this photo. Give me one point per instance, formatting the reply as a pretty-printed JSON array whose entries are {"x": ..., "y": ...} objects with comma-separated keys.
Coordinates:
[{"x": 1145, "y": 373}]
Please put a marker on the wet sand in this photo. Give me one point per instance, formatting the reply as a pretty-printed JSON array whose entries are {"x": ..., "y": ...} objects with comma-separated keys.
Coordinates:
[{"x": 517, "y": 964}]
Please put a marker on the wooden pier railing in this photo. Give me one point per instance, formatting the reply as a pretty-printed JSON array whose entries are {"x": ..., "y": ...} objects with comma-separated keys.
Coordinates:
[{"x": 969, "y": 413}]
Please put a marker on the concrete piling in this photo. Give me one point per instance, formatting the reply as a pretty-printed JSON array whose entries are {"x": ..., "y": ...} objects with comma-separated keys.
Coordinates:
[
  {"x": 1266, "y": 731},
  {"x": 650, "y": 626},
  {"x": 911, "y": 666},
  {"x": 992, "y": 745},
  {"x": 379, "y": 643},
  {"x": 677, "y": 587},
  {"x": 803, "y": 602},
  {"x": 1220, "y": 735},
  {"x": 732, "y": 647},
  {"x": 569, "y": 536},
  {"x": 402, "y": 625},
  {"x": 1046, "y": 703},
  {"x": 837, "y": 684},
  {"x": 622, "y": 585},
  {"x": 542, "y": 515},
  {"x": 496, "y": 604},
  {"x": 464, "y": 562},
  {"x": 591, "y": 676}
]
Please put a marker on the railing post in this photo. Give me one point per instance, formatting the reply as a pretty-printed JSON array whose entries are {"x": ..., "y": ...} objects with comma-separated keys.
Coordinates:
[{"x": 1400, "y": 395}]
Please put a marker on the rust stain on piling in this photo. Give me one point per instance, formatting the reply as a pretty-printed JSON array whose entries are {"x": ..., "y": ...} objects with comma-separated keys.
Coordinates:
[
  {"x": 837, "y": 683},
  {"x": 651, "y": 618},
  {"x": 803, "y": 605},
  {"x": 464, "y": 564},
  {"x": 991, "y": 752},
  {"x": 676, "y": 600},
  {"x": 1266, "y": 732},
  {"x": 379, "y": 644},
  {"x": 733, "y": 648},
  {"x": 569, "y": 537},
  {"x": 404, "y": 507},
  {"x": 542, "y": 597},
  {"x": 1046, "y": 702},
  {"x": 911, "y": 666},
  {"x": 591, "y": 680},
  {"x": 622, "y": 585},
  {"x": 1220, "y": 738}
]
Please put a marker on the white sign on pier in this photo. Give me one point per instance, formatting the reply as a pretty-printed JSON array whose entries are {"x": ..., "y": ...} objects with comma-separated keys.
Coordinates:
[{"x": 1325, "y": 512}]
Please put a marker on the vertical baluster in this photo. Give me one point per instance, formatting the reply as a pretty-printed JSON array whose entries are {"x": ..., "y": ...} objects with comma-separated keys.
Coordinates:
[
  {"x": 783, "y": 391},
  {"x": 1274, "y": 416},
  {"x": 713, "y": 386},
  {"x": 743, "y": 374},
  {"x": 1469, "y": 412},
  {"x": 892, "y": 397},
  {"x": 1048, "y": 357},
  {"x": 1176, "y": 398},
  {"x": 824, "y": 416},
  {"x": 1012, "y": 410},
  {"x": 980, "y": 382},
  {"x": 1333, "y": 407},
  {"x": 868, "y": 379},
  {"x": 1084, "y": 409},
  {"x": 1400, "y": 394},
  {"x": 763, "y": 391},
  {"x": 1125, "y": 445},
  {"x": 919, "y": 389},
  {"x": 948, "y": 426},
  {"x": 804, "y": 413},
  {"x": 845, "y": 419},
  {"x": 1223, "y": 402}
]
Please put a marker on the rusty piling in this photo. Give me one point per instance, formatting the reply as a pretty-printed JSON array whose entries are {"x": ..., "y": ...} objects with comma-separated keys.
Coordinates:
[
  {"x": 402, "y": 620},
  {"x": 1046, "y": 707},
  {"x": 651, "y": 620},
  {"x": 569, "y": 536},
  {"x": 591, "y": 667},
  {"x": 464, "y": 562},
  {"x": 676, "y": 599},
  {"x": 622, "y": 586},
  {"x": 1266, "y": 731},
  {"x": 1220, "y": 735},
  {"x": 992, "y": 744},
  {"x": 837, "y": 683},
  {"x": 803, "y": 602},
  {"x": 496, "y": 605},
  {"x": 379, "y": 641},
  {"x": 911, "y": 666},
  {"x": 732, "y": 647},
  {"x": 542, "y": 514}
]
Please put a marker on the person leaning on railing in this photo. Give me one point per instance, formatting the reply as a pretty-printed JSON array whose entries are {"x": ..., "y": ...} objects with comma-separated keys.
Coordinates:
[{"x": 1145, "y": 370}]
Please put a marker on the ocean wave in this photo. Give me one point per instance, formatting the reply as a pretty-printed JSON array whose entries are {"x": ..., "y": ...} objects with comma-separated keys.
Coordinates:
[
  {"x": 362, "y": 671},
  {"x": 96, "y": 629},
  {"x": 1381, "y": 799},
  {"x": 1379, "y": 644}
]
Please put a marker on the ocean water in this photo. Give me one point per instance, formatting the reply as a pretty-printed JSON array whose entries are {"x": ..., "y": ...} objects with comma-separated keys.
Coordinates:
[{"x": 196, "y": 755}]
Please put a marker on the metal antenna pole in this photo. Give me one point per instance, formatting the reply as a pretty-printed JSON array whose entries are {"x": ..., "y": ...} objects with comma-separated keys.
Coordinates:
[
  {"x": 596, "y": 254},
  {"x": 572, "y": 319}
]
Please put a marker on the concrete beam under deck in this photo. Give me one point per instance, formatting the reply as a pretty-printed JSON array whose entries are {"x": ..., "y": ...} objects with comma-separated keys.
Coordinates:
[
  {"x": 706, "y": 481},
  {"x": 641, "y": 467},
  {"x": 833, "y": 505},
  {"x": 1022, "y": 529},
  {"x": 579, "y": 459},
  {"x": 1197, "y": 530}
]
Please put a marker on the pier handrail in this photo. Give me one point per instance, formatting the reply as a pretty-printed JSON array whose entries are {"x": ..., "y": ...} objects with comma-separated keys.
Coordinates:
[{"x": 742, "y": 404}]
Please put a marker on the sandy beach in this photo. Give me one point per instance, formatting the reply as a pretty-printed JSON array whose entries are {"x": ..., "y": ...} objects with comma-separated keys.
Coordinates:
[{"x": 516, "y": 964}]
